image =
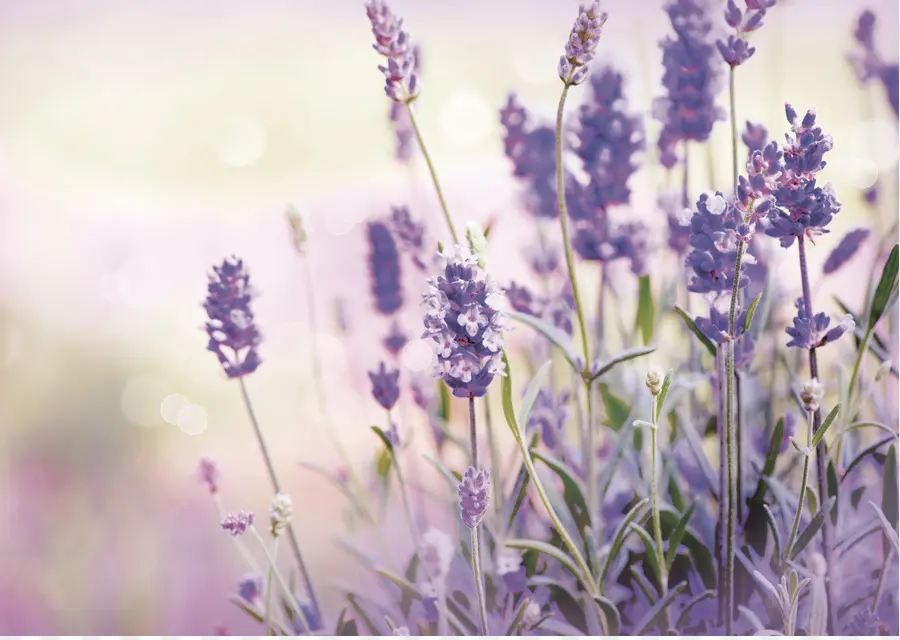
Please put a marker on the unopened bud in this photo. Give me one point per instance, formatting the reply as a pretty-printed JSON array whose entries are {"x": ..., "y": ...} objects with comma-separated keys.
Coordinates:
[
  {"x": 280, "y": 512},
  {"x": 811, "y": 393},
  {"x": 654, "y": 381}
]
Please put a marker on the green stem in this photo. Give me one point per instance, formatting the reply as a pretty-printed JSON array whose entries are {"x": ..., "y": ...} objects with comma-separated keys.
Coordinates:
[
  {"x": 267, "y": 615},
  {"x": 431, "y": 170},
  {"x": 734, "y": 130},
  {"x": 802, "y": 499},
  {"x": 654, "y": 498},
  {"x": 863, "y": 347},
  {"x": 288, "y": 594},
  {"x": 476, "y": 546}
]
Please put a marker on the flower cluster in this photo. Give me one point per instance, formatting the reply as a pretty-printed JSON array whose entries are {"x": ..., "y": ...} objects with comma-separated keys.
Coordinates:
[
  {"x": 250, "y": 588},
  {"x": 474, "y": 495},
  {"x": 812, "y": 333},
  {"x": 393, "y": 43},
  {"x": 736, "y": 50},
  {"x": 582, "y": 44},
  {"x": 868, "y": 63},
  {"x": 237, "y": 523},
  {"x": 715, "y": 327},
  {"x": 385, "y": 386},
  {"x": 384, "y": 268},
  {"x": 230, "y": 325},
  {"x": 463, "y": 325},
  {"x": 692, "y": 79},
  {"x": 715, "y": 229}
]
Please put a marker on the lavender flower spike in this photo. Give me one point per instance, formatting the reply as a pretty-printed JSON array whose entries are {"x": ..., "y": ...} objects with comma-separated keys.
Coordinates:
[
  {"x": 250, "y": 588},
  {"x": 208, "y": 471},
  {"x": 384, "y": 268},
  {"x": 237, "y": 523},
  {"x": 464, "y": 325},
  {"x": 385, "y": 386},
  {"x": 393, "y": 42},
  {"x": 230, "y": 326},
  {"x": 814, "y": 333},
  {"x": 474, "y": 496},
  {"x": 582, "y": 44}
]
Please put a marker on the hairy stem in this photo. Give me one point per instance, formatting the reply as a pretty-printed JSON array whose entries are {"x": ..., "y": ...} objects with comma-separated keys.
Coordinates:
[
  {"x": 476, "y": 545},
  {"x": 431, "y": 170},
  {"x": 292, "y": 536},
  {"x": 802, "y": 499},
  {"x": 821, "y": 451}
]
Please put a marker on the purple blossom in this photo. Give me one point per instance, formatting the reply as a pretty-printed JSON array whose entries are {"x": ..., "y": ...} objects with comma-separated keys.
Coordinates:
[
  {"x": 230, "y": 324},
  {"x": 474, "y": 495},
  {"x": 866, "y": 61},
  {"x": 715, "y": 327},
  {"x": 522, "y": 300},
  {"x": 677, "y": 220},
  {"x": 385, "y": 386},
  {"x": 755, "y": 136},
  {"x": 399, "y": 118},
  {"x": 237, "y": 523},
  {"x": 250, "y": 588},
  {"x": 582, "y": 44},
  {"x": 463, "y": 325},
  {"x": 814, "y": 333},
  {"x": 714, "y": 245},
  {"x": 863, "y": 623},
  {"x": 384, "y": 268},
  {"x": 543, "y": 259},
  {"x": 409, "y": 233},
  {"x": 735, "y": 51},
  {"x": 395, "y": 340},
  {"x": 549, "y": 415},
  {"x": 845, "y": 250},
  {"x": 393, "y": 42},
  {"x": 208, "y": 471}
]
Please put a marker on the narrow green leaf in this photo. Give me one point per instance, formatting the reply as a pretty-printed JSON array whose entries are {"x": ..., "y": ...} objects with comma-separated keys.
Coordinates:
[
  {"x": 444, "y": 395},
  {"x": 624, "y": 356},
  {"x": 644, "y": 625},
  {"x": 862, "y": 455},
  {"x": 611, "y": 611},
  {"x": 556, "y": 336},
  {"x": 663, "y": 393},
  {"x": 685, "y": 617},
  {"x": 649, "y": 549},
  {"x": 403, "y": 584},
  {"x": 889, "y": 499},
  {"x": 646, "y": 310},
  {"x": 701, "y": 556},
  {"x": 884, "y": 288},
  {"x": 806, "y": 536},
  {"x": 573, "y": 490},
  {"x": 619, "y": 537},
  {"x": 362, "y": 615},
  {"x": 889, "y": 531},
  {"x": 384, "y": 439},
  {"x": 812, "y": 500},
  {"x": 547, "y": 549},
  {"x": 877, "y": 425},
  {"x": 345, "y": 627},
  {"x": 706, "y": 342},
  {"x": 249, "y": 609},
  {"x": 520, "y": 490},
  {"x": 531, "y": 392},
  {"x": 677, "y": 535},
  {"x": 771, "y": 457},
  {"x": 384, "y": 464},
  {"x": 773, "y": 528},
  {"x": 617, "y": 410},
  {"x": 638, "y": 577},
  {"x": 751, "y": 311},
  {"x": 824, "y": 426}
]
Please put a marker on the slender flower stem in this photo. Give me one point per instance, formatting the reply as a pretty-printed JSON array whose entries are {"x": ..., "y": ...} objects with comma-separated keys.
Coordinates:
[
  {"x": 734, "y": 130},
  {"x": 802, "y": 499},
  {"x": 476, "y": 543},
  {"x": 242, "y": 549},
  {"x": 494, "y": 453},
  {"x": 723, "y": 478},
  {"x": 404, "y": 494},
  {"x": 821, "y": 451},
  {"x": 654, "y": 504},
  {"x": 267, "y": 615},
  {"x": 292, "y": 536},
  {"x": 285, "y": 589},
  {"x": 431, "y": 170}
]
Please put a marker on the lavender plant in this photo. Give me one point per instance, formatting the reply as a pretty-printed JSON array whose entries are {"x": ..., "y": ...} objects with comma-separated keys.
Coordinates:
[{"x": 608, "y": 518}]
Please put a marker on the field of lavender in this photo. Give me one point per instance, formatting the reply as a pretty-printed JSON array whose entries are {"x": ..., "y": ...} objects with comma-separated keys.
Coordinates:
[{"x": 651, "y": 389}]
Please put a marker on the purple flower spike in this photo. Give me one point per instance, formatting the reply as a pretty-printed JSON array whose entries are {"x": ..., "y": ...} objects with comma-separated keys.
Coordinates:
[
  {"x": 209, "y": 474},
  {"x": 736, "y": 51},
  {"x": 474, "y": 496},
  {"x": 250, "y": 588},
  {"x": 409, "y": 233},
  {"x": 465, "y": 327},
  {"x": 845, "y": 250},
  {"x": 385, "y": 386},
  {"x": 384, "y": 268},
  {"x": 393, "y": 42},
  {"x": 582, "y": 44},
  {"x": 714, "y": 245},
  {"x": 814, "y": 333},
  {"x": 230, "y": 324},
  {"x": 395, "y": 340},
  {"x": 237, "y": 523}
]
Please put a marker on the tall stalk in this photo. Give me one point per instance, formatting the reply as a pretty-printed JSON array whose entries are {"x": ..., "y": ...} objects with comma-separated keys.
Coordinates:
[
  {"x": 476, "y": 543},
  {"x": 802, "y": 498},
  {"x": 821, "y": 451},
  {"x": 654, "y": 495}
]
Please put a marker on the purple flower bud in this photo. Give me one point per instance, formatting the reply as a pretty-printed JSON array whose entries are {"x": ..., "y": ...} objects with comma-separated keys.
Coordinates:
[
  {"x": 582, "y": 44},
  {"x": 755, "y": 136},
  {"x": 474, "y": 496},
  {"x": 812, "y": 333},
  {"x": 845, "y": 250},
  {"x": 713, "y": 248},
  {"x": 209, "y": 474},
  {"x": 733, "y": 15},
  {"x": 395, "y": 340},
  {"x": 384, "y": 268},
  {"x": 736, "y": 51},
  {"x": 521, "y": 299},
  {"x": 385, "y": 386},
  {"x": 250, "y": 588},
  {"x": 237, "y": 523},
  {"x": 230, "y": 324},
  {"x": 392, "y": 42}
]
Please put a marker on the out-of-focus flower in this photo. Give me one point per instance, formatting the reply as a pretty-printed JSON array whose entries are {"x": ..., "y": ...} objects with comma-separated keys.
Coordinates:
[
  {"x": 384, "y": 268},
  {"x": 410, "y": 234},
  {"x": 863, "y": 623},
  {"x": 401, "y": 631},
  {"x": 845, "y": 250},
  {"x": 208, "y": 472},
  {"x": 532, "y": 614},
  {"x": 280, "y": 511},
  {"x": 436, "y": 554},
  {"x": 813, "y": 333},
  {"x": 298, "y": 231},
  {"x": 582, "y": 44},
  {"x": 385, "y": 385},
  {"x": 399, "y": 118},
  {"x": 755, "y": 136},
  {"x": 508, "y": 563},
  {"x": 467, "y": 331},
  {"x": 391, "y": 41},
  {"x": 522, "y": 300},
  {"x": 230, "y": 325},
  {"x": 715, "y": 326},
  {"x": 474, "y": 495},
  {"x": 736, "y": 50},
  {"x": 237, "y": 523},
  {"x": 549, "y": 414},
  {"x": 679, "y": 230},
  {"x": 250, "y": 588},
  {"x": 395, "y": 340}
]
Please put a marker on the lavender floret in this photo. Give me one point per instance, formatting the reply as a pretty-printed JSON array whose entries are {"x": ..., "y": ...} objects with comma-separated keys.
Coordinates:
[
  {"x": 845, "y": 250},
  {"x": 231, "y": 324},
  {"x": 385, "y": 386},
  {"x": 531, "y": 150},
  {"x": 813, "y": 333},
  {"x": 384, "y": 268},
  {"x": 250, "y": 588},
  {"x": 713, "y": 243},
  {"x": 463, "y": 325},
  {"x": 522, "y": 300},
  {"x": 395, "y": 340},
  {"x": 237, "y": 523},
  {"x": 582, "y": 44},
  {"x": 409, "y": 233},
  {"x": 755, "y": 136},
  {"x": 474, "y": 495}
]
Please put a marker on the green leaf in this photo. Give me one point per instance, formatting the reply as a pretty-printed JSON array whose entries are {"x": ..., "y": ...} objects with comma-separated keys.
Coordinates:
[
  {"x": 617, "y": 410},
  {"x": 884, "y": 288},
  {"x": 824, "y": 426},
  {"x": 677, "y": 535},
  {"x": 773, "y": 528},
  {"x": 699, "y": 550},
  {"x": 405, "y": 586},
  {"x": 611, "y": 611},
  {"x": 889, "y": 488},
  {"x": 624, "y": 356},
  {"x": 751, "y": 311},
  {"x": 807, "y": 535},
  {"x": 706, "y": 342},
  {"x": 812, "y": 500},
  {"x": 247, "y": 608},
  {"x": 638, "y": 577},
  {"x": 649, "y": 549},
  {"x": 573, "y": 490},
  {"x": 531, "y": 391},
  {"x": 558, "y": 337},
  {"x": 889, "y": 531},
  {"x": 362, "y": 615},
  {"x": 345, "y": 627},
  {"x": 649, "y": 619},
  {"x": 384, "y": 464},
  {"x": 771, "y": 457},
  {"x": 384, "y": 439},
  {"x": 862, "y": 455},
  {"x": 547, "y": 549},
  {"x": 619, "y": 537},
  {"x": 444, "y": 408},
  {"x": 646, "y": 310},
  {"x": 410, "y": 574},
  {"x": 663, "y": 393},
  {"x": 685, "y": 617},
  {"x": 520, "y": 489}
]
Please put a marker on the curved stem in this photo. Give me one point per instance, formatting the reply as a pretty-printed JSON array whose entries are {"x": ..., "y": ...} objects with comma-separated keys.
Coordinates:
[
  {"x": 292, "y": 536},
  {"x": 431, "y": 170},
  {"x": 802, "y": 499}
]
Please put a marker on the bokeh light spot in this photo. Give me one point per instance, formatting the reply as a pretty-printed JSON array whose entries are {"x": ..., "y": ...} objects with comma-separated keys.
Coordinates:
[
  {"x": 466, "y": 118},
  {"x": 417, "y": 355},
  {"x": 171, "y": 406},
  {"x": 192, "y": 420}
]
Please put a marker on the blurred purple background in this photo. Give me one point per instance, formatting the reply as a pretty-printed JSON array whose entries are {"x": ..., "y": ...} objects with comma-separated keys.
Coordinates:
[{"x": 140, "y": 142}]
